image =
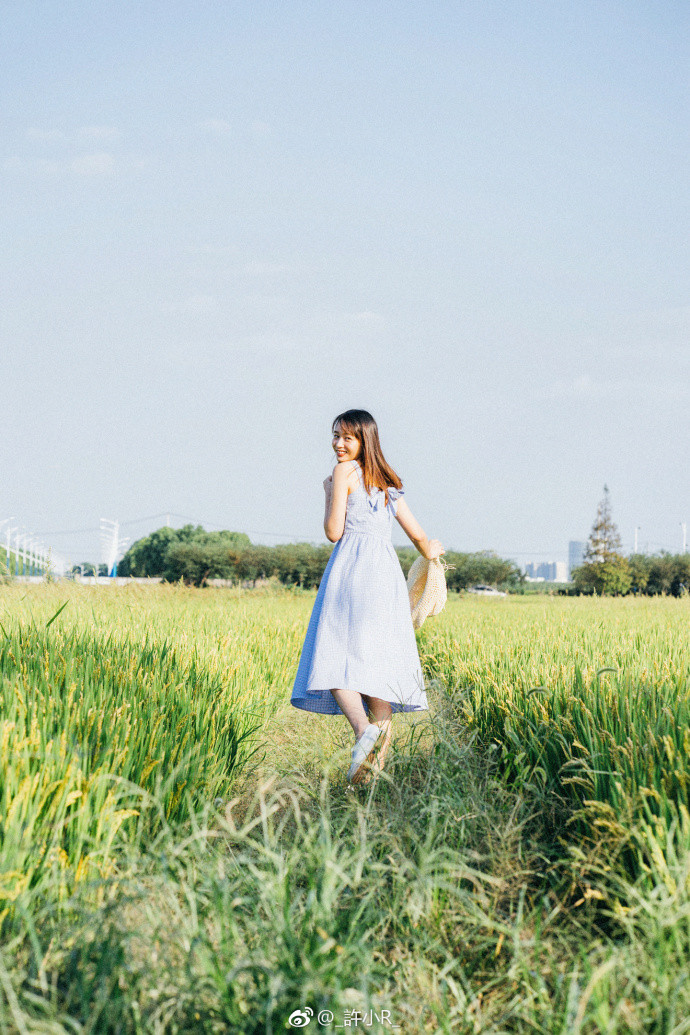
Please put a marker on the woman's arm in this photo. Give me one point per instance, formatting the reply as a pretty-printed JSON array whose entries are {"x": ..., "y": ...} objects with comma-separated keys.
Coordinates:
[
  {"x": 429, "y": 548},
  {"x": 336, "y": 487}
]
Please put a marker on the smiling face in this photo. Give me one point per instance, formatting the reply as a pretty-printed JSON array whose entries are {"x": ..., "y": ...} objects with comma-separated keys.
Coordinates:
[{"x": 346, "y": 445}]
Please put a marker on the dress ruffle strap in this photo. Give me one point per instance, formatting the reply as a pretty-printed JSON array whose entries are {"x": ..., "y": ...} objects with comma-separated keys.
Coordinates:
[
  {"x": 377, "y": 499},
  {"x": 393, "y": 496}
]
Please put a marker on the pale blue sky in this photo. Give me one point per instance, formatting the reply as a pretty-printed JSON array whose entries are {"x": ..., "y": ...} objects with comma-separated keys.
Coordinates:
[{"x": 225, "y": 223}]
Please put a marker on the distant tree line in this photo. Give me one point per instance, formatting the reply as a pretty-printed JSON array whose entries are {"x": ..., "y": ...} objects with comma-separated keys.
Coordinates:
[
  {"x": 664, "y": 574},
  {"x": 195, "y": 556},
  {"x": 174, "y": 553}
]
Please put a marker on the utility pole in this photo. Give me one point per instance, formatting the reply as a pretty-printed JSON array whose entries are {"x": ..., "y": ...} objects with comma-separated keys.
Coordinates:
[
  {"x": 637, "y": 529},
  {"x": 36, "y": 559},
  {"x": 111, "y": 544},
  {"x": 16, "y": 552},
  {"x": 684, "y": 526},
  {"x": 10, "y": 533}
]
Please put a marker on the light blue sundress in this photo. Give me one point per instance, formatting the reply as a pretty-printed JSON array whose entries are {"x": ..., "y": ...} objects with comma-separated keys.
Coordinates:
[{"x": 360, "y": 635}]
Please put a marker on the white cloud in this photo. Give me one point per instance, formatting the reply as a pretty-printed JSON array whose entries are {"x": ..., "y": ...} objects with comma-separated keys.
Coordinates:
[
  {"x": 619, "y": 390},
  {"x": 197, "y": 304},
  {"x": 35, "y": 166},
  {"x": 46, "y": 136},
  {"x": 94, "y": 164},
  {"x": 585, "y": 387},
  {"x": 98, "y": 133},
  {"x": 656, "y": 335},
  {"x": 100, "y": 164},
  {"x": 265, "y": 269},
  {"x": 367, "y": 317},
  {"x": 218, "y": 127},
  {"x": 256, "y": 128},
  {"x": 41, "y": 135},
  {"x": 268, "y": 344},
  {"x": 268, "y": 299},
  {"x": 260, "y": 129}
]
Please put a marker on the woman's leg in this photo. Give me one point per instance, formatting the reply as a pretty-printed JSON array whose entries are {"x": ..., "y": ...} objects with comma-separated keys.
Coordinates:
[
  {"x": 352, "y": 706},
  {"x": 380, "y": 710},
  {"x": 382, "y": 714}
]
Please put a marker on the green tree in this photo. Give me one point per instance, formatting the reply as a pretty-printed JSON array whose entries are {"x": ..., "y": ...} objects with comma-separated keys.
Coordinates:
[
  {"x": 85, "y": 568},
  {"x": 681, "y": 581},
  {"x": 605, "y": 569},
  {"x": 662, "y": 574},
  {"x": 151, "y": 556},
  {"x": 604, "y": 540},
  {"x": 669, "y": 574},
  {"x": 640, "y": 569},
  {"x": 147, "y": 557},
  {"x": 615, "y": 577}
]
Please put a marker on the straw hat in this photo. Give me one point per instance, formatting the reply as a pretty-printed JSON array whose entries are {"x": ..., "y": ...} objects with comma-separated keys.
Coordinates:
[{"x": 426, "y": 586}]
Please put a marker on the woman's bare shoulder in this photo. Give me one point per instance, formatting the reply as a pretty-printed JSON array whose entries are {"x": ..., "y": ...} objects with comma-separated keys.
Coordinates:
[
  {"x": 345, "y": 474},
  {"x": 344, "y": 470}
]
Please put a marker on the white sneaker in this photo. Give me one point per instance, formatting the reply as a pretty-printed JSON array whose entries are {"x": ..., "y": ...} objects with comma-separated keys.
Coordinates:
[{"x": 363, "y": 752}]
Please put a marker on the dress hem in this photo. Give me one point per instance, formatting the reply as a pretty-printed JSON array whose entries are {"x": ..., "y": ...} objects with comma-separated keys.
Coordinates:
[{"x": 320, "y": 705}]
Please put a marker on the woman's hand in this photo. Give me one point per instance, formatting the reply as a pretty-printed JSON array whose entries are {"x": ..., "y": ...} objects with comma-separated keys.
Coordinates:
[{"x": 434, "y": 550}]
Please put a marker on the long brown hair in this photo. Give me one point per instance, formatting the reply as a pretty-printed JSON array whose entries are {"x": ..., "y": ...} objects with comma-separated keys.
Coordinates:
[{"x": 376, "y": 471}]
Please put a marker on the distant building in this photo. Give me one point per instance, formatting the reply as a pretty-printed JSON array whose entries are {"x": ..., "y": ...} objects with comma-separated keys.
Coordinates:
[
  {"x": 576, "y": 555},
  {"x": 561, "y": 574},
  {"x": 547, "y": 571}
]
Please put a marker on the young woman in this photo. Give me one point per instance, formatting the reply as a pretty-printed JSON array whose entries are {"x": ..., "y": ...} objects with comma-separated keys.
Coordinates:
[{"x": 360, "y": 650}]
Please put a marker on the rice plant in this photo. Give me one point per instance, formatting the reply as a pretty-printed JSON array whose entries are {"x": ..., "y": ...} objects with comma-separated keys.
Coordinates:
[
  {"x": 172, "y": 859},
  {"x": 588, "y": 699}
]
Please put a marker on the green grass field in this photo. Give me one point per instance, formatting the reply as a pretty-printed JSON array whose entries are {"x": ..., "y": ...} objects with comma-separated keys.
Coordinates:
[{"x": 179, "y": 851}]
